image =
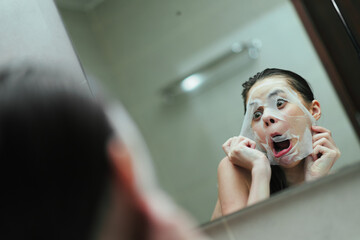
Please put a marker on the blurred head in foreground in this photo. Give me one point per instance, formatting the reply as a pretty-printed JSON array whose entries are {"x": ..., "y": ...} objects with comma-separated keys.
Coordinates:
[{"x": 73, "y": 168}]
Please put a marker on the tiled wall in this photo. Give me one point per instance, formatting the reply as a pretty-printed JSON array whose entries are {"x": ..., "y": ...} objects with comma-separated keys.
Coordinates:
[{"x": 138, "y": 47}]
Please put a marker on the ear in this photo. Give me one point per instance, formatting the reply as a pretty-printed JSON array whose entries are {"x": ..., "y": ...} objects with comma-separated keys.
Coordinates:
[
  {"x": 124, "y": 177},
  {"x": 121, "y": 162},
  {"x": 130, "y": 205},
  {"x": 315, "y": 109}
]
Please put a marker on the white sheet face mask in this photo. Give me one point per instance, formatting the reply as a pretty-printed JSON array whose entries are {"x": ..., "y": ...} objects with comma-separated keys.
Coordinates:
[{"x": 279, "y": 123}]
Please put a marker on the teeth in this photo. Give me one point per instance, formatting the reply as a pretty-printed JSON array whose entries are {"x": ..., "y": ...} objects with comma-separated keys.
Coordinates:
[{"x": 279, "y": 138}]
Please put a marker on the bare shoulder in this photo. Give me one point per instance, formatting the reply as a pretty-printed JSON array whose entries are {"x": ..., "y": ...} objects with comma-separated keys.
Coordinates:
[{"x": 234, "y": 186}]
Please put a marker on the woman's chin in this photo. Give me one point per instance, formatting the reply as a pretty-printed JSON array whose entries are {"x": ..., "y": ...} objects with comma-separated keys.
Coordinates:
[{"x": 287, "y": 163}]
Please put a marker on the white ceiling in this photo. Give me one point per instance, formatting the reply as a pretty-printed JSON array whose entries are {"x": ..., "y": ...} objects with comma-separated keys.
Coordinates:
[{"x": 78, "y": 5}]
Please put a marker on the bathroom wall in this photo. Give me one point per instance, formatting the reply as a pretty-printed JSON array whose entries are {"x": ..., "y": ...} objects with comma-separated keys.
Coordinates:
[
  {"x": 136, "y": 48},
  {"x": 32, "y": 32}
]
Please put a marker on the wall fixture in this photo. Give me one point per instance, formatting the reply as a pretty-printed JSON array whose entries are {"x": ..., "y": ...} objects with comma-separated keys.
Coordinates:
[{"x": 215, "y": 69}]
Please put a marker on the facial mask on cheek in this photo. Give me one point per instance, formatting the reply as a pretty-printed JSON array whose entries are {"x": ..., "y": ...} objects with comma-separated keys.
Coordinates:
[{"x": 283, "y": 131}]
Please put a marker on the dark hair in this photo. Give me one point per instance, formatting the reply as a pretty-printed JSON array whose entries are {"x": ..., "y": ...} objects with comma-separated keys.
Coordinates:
[
  {"x": 295, "y": 81},
  {"x": 278, "y": 179},
  {"x": 55, "y": 169}
]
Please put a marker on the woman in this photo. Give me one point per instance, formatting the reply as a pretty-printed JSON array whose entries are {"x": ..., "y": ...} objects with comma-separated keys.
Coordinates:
[{"x": 279, "y": 145}]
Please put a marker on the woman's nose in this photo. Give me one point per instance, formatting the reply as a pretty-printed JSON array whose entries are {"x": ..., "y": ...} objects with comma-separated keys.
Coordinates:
[{"x": 269, "y": 119}]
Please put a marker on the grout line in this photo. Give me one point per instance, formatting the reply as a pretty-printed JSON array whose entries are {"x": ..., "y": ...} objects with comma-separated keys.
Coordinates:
[{"x": 228, "y": 230}]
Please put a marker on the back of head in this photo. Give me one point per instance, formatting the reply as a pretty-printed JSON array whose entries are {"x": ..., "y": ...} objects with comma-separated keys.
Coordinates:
[{"x": 53, "y": 152}]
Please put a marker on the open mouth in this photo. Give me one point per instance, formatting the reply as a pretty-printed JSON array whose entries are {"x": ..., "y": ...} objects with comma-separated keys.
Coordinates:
[{"x": 281, "y": 147}]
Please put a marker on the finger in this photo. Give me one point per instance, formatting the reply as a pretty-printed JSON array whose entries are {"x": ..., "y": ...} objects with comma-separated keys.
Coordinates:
[
  {"x": 321, "y": 152},
  {"x": 228, "y": 141},
  {"x": 324, "y": 142},
  {"x": 226, "y": 145},
  {"x": 327, "y": 159},
  {"x": 235, "y": 142},
  {"x": 326, "y": 135},
  {"x": 318, "y": 152},
  {"x": 317, "y": 136},
  {"x": 243, "y": 141},
  {"x": 234, "y": 145},
  {"x": 249, "y": 143},
  {"x": 320, "y": 129},
  {"x": 241, "y": 138}
]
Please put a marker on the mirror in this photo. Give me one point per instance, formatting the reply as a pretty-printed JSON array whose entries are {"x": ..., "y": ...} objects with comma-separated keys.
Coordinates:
[{"x": 139, "y": 48}]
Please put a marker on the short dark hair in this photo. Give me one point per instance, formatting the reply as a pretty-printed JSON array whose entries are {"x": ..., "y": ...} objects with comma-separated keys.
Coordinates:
[
  {"x": 294, "y": 80},
  {"x": 55, "y": 168}
]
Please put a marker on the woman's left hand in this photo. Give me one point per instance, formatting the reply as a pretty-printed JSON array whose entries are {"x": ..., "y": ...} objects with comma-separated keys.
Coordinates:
[{"x": 319, "y": 163}]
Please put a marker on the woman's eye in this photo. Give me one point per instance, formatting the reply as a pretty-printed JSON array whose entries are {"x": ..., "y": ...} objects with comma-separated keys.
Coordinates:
[
  {"x": 280, "y": 103},
  {"x": 257, "y": 115}
]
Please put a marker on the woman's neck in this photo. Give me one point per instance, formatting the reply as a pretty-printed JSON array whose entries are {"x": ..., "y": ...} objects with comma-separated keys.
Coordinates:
[{"x": 295, "y": 175}]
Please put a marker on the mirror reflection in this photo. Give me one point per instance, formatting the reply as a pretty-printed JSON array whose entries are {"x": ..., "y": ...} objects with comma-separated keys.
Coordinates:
[
  {"x": 139, "y": 48},
  {"x": 279, "y": 145}
]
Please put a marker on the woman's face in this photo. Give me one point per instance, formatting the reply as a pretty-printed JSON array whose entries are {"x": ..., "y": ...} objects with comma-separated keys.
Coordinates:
[{"x": 279, "y": 119}]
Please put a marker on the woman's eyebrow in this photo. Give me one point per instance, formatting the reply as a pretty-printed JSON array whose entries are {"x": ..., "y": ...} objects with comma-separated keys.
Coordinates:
[
  {"x": 275, "y": 92},
  {"x": 256, "y": 101}
]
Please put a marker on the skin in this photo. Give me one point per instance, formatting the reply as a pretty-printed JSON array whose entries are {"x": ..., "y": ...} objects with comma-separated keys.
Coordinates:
[
  {"x": 244, "y": 174},
  {"x": 128, "y": 205},
  {"x": 265, "y": 122}
]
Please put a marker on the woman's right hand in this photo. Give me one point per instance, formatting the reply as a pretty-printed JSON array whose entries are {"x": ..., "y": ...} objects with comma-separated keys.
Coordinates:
[
  {"x": 243, "y": 176},
  {"x": 241, "y": 152}
]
